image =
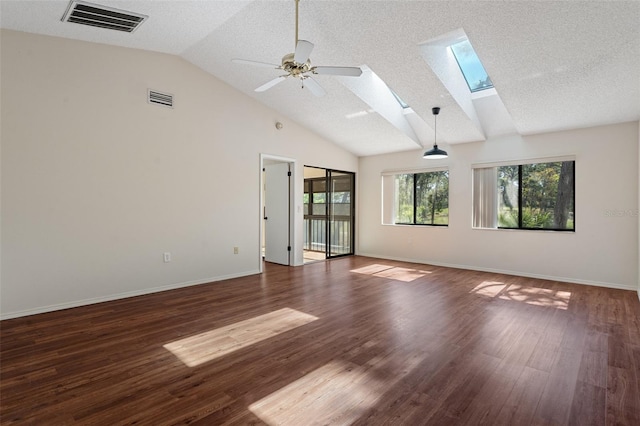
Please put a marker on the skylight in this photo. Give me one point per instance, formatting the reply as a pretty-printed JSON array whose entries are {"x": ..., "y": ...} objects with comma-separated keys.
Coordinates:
[
  {"x": 471, "y": 67},
  {"x": 402, "y": 103}
]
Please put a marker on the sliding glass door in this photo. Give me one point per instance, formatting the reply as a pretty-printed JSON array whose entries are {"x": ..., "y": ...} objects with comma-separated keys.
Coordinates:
[{"x": 330, "y": 212}]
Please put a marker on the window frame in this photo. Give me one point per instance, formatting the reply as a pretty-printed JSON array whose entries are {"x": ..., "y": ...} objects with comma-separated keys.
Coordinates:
[
  {"x": 478, "y": 62},
  {"x": 520, "y": 197},
  {"x": 415, "y": 205}
]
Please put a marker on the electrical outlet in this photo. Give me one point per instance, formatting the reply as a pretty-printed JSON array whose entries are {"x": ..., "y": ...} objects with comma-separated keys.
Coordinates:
[
  {"x": 235, "y": 250},
  {"x": 167, "y": 257}
]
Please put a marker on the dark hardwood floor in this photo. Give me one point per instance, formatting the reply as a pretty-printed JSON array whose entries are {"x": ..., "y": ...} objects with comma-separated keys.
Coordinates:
[{"x": 350, "y": 341}]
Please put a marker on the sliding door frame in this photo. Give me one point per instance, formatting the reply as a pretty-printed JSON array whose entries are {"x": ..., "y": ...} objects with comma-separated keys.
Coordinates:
[{"x": 328, "y": 175}]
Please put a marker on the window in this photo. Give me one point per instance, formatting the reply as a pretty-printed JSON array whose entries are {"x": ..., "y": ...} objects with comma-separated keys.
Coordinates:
[
  {"x": 402, "y": 103},
  {"x": 315, "y": 195},
  {"x": 421, "y": 198},
  {"x": 526, "y": 196},
  {"x": 471, "y": 67}
]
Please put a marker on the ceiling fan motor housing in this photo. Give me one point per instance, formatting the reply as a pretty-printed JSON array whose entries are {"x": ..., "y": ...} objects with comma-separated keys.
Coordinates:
[{"x": 294, "y": 68}]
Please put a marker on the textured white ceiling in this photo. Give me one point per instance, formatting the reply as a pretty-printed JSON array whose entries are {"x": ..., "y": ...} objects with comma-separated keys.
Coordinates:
[{"x": 555, "y": 64}]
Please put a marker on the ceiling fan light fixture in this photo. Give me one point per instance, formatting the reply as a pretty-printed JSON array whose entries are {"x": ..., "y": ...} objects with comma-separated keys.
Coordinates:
[
  {"x": 435, "y": 153},
  {"x": 298, "y": 65}
]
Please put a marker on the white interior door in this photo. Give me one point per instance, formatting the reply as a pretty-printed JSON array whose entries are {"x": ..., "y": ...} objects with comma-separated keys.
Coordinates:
[{"x": 276, "y": 213}]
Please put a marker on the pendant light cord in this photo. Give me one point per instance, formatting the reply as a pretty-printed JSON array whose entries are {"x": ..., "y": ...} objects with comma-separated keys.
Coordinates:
[{"x": 435, "y": 130}]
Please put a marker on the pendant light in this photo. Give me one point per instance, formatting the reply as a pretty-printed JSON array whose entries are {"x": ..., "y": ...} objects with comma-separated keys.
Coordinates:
[{"x": 435, "y": 153}]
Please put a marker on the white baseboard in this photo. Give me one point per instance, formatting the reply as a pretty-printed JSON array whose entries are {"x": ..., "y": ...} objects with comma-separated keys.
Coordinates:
[
  {"x": 507, "y": 272},
  {"x": 91, "y": 301}
]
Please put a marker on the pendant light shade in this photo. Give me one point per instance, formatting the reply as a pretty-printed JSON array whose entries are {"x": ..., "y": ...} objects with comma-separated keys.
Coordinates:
[{"x": 435, "y": 153}]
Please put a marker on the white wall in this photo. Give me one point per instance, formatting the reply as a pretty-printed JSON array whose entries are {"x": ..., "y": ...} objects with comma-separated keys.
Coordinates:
[
  {"x": 603, "y": 250},
  {"x": 97, "y": 184}
]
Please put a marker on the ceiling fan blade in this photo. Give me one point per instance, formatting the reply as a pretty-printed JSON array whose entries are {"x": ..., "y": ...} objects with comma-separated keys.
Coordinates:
[
  {"x": 346, "y": 71},
  {"x": 303, "y": 51},
  {"x": 313, "y": 86},
  {"x": 254, "y": 63},
  {"x": 270, "y": 84}
]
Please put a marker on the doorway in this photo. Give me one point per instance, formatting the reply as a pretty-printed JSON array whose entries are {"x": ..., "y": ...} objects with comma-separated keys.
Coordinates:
[
  {"x": 329, "y": 213},
  {"x": 276, "y": 214}
]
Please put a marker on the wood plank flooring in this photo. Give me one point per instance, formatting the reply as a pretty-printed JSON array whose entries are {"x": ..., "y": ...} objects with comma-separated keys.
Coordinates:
[{"x": 393, "y": 343}]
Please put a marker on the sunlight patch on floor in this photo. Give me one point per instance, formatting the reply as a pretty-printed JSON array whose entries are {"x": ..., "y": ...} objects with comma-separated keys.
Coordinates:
[
  {"x": 530, "y": 295},
  {"x": 489, "y": 288},
  {"x": 203, "y": 347},
  {"x": 537, "y": 296},
  {"x": 392, "y": 272},
  {"x": 337, "y": 393}
]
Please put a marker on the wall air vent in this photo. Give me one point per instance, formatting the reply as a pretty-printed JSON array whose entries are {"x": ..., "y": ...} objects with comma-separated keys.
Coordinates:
[
  {"x": 95, "y": 15},
  {"x": 159, "y": 98}
]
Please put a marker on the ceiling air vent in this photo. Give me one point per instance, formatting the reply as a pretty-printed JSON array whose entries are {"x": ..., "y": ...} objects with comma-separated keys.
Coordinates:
[
  {"x": 159, "y": 98},
  {"x": 95, "y": 15}
]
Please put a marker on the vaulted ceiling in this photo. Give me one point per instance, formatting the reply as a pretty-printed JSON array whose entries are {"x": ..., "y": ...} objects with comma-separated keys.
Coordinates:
[{"x": 555, "y": 65}]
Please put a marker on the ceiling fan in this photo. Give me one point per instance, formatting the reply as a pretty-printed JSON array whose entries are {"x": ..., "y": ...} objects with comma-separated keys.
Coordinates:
[{"x": 298, "y": 65}]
